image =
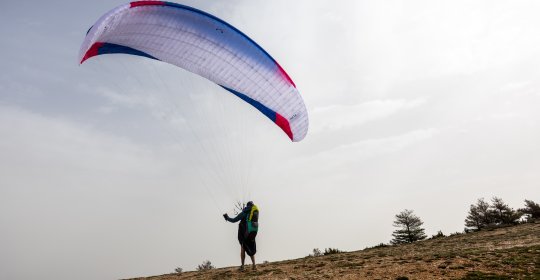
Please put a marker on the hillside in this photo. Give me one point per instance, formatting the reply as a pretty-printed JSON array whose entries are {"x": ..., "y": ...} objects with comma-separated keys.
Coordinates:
[{"x": 505, "y": 253}]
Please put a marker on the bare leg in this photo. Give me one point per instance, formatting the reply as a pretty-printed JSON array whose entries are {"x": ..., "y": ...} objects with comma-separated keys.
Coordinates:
[
  {"x": 253, "y": 262},
  {"x": 242, "y": 256}
]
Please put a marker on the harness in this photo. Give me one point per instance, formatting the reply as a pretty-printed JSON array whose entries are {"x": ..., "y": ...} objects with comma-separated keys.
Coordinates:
[{"x": 253, "y": 219}]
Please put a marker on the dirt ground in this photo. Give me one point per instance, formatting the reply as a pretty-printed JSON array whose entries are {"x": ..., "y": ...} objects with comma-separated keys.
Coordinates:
[{"x": 504, "y": 253}]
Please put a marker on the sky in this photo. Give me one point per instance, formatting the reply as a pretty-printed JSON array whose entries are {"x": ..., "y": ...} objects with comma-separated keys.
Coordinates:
[{"x": 122, "y": 167}]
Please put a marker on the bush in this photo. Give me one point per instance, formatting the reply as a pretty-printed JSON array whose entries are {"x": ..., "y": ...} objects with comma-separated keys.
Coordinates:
[
  {"x": 317, "y": 252},
  {"x": 439, "y": 234},
  {"x": 178, "y": 270},
  {"x": 380, "y": 245},
  {"x": 206, "y": 265},
  {"x": 330, "y": 251}
]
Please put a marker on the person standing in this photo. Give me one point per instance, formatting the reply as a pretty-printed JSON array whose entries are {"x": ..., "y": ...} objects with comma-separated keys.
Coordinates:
[{"x": 247, "y": 231}]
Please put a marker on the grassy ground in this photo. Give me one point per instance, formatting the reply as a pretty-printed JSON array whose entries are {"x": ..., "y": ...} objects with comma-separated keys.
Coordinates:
[{"x": 505, "y": 253}]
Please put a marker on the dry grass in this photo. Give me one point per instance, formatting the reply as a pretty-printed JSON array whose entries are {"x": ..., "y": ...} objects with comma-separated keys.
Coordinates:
[{"x": 505, "y": 253}]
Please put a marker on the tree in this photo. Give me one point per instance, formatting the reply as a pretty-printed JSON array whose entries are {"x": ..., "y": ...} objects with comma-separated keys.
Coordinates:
[
  {"x": 410, "y": 228},
  {"x": 482, "y": 214},
  {"x": 479, "y": 215},
  {"x": 178, "y": 270},
  {"x": 502, "y": 214},
  {"x": 206, "y": 265},
  {"x": 531, "y": 211},
  {"x": 474, "y": 219}
]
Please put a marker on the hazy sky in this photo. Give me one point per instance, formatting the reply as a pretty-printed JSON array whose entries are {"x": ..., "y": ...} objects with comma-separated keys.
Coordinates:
[{"x": 123, "y": 166}]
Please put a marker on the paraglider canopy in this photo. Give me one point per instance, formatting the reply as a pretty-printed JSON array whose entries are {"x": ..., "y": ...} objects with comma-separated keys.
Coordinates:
[{"x": 205, "y": 45}]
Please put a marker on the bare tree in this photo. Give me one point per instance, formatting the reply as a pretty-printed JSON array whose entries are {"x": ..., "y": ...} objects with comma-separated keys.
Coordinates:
[
  {"x": 238, "y": 207},
  {"x": 410, "y": 228}
]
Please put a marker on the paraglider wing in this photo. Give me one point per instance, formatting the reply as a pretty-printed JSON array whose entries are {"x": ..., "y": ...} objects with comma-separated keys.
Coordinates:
[{"x": 206, "y": 45}]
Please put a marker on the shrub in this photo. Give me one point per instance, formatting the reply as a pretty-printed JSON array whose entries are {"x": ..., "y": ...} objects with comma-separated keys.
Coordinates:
[
  {"x": 439, "y": 234},
  {"x": 178, "y": 270},
  {"x": 317, "y": 252},
  {"x": 330, "y": 251},
  {"x": 380, "y": 245},
  {"x": 206, "y": 265}
]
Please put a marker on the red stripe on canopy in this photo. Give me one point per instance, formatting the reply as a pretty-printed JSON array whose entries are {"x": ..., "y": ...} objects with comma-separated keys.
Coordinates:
[
  {"x": 146, "y": 3},
  {"x": 284, "y": 124},
  {"x": 92, "y": 51}
]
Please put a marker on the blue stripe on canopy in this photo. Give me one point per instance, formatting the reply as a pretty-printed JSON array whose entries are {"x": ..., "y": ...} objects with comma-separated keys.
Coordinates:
[
  {"x": 258, "y": 105},
  {"x": 114, "y": 48}
]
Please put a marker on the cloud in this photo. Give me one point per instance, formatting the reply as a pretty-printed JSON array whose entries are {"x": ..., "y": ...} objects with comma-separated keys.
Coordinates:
[
  {"x": 500, "y": 116},
  {"x": 62, "y": 181},
  {"x": 338, "y": 117},
  {"x": 375, "y": 147},
  {"x": 120, "y": 98},
  {"x": 56, "y": 145}
]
